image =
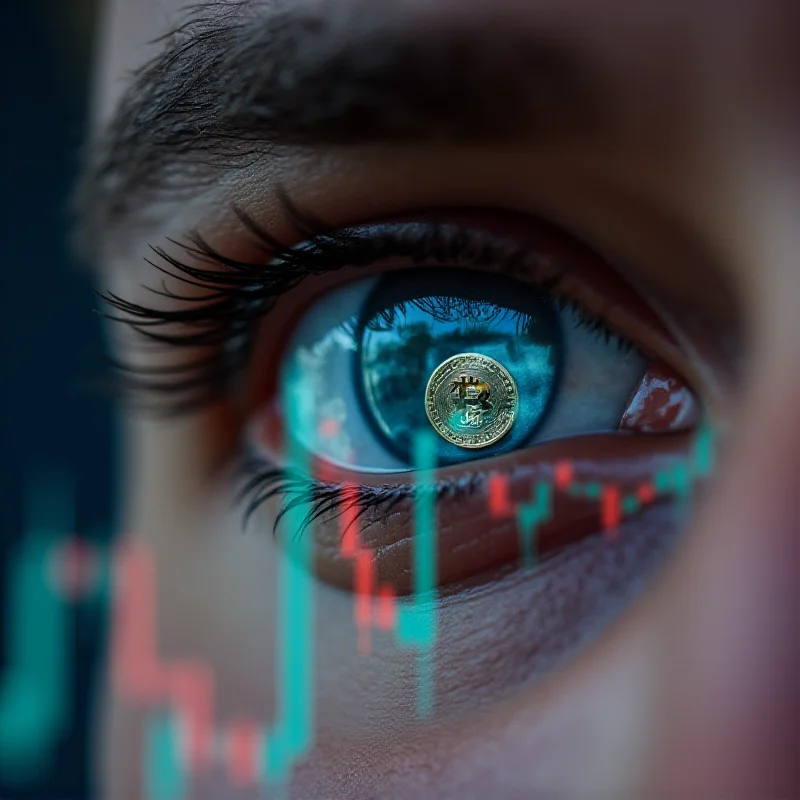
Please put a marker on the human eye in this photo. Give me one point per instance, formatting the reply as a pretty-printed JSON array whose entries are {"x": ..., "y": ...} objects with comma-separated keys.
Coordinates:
[
  {"x": 516, "y": 350},
  {"x": 554, "y": 354},
  {"x": 539, "y": 361},
  {"x": 489, "y": 362}
]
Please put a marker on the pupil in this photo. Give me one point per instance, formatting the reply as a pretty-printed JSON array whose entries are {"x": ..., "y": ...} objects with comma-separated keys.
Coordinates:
[{"x": 415, "y": 320}]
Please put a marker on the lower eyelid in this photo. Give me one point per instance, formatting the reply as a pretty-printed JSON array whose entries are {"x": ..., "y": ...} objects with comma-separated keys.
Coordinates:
[{"x": 470, "y": 539}]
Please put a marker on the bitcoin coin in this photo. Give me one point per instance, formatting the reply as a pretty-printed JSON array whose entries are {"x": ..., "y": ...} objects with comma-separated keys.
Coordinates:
[{"x": 471, "y": 400}]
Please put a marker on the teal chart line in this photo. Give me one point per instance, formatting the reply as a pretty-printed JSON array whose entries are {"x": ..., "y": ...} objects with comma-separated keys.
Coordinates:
[
  {"x": 286, "y": 741},
  {"x": 35, "y": 687},
  {"x": 677, "y": 480},
  {"x": 530, "y": 516},
  {"x": 416, "y": 623},
  {"x": 290, "y": 736},
  {"x": 164, "y": 775},
  {"x": 292, "y": 732}
]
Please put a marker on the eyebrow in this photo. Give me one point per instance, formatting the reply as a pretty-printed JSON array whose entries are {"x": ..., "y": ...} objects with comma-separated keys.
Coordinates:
[{"x": 237, "y": 81}]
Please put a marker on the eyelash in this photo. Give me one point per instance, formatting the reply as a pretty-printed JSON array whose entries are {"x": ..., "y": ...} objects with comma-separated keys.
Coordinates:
[
  {"x": 260, "y": 482},
  {"x": 240, "y": 293}
]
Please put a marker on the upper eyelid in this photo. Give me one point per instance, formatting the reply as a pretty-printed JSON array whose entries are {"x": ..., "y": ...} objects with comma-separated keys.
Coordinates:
[{"x": 240, "y": 293}]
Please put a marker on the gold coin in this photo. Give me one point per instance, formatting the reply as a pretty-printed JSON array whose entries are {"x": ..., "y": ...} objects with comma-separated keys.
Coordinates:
[{"x": 471, "y": 400}]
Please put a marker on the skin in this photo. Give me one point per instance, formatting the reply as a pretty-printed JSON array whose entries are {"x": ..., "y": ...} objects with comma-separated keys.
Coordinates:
[{"x": 693, "y": 690}]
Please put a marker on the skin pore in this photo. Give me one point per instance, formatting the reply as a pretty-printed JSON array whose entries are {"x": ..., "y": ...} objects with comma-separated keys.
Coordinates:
[{"x": 667, "y": 141}]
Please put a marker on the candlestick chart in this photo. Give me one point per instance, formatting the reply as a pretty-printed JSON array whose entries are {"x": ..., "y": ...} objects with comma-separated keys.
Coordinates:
[{"x": 52, "y": 570}]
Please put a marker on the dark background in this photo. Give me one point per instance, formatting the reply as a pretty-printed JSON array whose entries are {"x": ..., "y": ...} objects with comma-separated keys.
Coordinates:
[{"x": 55, "y": 424}]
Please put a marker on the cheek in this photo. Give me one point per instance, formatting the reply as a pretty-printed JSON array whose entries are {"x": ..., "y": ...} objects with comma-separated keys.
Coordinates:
[
  {"x": 492, "y": 644},
  {"x": 215, "y": 600},
  {"x": 219, "y": 591}
]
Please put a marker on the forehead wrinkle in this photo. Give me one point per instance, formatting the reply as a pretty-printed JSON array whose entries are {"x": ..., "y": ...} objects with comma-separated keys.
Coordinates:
[{"x": 238, "y": 79}]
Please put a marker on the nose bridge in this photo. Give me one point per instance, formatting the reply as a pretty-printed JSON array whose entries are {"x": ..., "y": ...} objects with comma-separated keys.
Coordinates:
[{"x": 728, "y": 666}]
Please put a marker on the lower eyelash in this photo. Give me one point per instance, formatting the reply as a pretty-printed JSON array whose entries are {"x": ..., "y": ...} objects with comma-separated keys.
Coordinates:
[{"x": 261, "y": 481}]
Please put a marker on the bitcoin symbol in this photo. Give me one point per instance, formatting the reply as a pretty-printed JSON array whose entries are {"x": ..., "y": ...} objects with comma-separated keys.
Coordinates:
[{"x": 471, "y": 400}]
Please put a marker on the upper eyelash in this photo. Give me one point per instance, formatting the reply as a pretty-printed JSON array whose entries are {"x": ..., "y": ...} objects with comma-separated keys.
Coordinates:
[{"x": 239, "y": 293}]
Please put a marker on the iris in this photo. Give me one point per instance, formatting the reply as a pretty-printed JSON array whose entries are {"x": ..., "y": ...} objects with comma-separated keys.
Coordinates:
[{"x": 414, "y": 320}]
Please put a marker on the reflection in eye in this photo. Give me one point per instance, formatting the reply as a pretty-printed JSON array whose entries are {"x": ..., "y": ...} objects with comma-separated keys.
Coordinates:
[{"x": 366, "y": 352}]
